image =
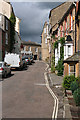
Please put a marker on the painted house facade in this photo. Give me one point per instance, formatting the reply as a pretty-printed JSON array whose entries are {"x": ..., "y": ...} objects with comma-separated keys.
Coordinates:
[
  {"x": 32, "y": 47},
  {"x": 66, "y": 26},
  {"x": 17, "y": 44},
  {"x": 56, "y": 29},
  {"x": 45, "y": 42},
  {"x": 72, "y": 64}
]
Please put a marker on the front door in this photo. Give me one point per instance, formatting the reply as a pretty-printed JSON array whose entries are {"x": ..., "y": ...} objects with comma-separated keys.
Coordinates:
[{"x": 72, "y": 70}]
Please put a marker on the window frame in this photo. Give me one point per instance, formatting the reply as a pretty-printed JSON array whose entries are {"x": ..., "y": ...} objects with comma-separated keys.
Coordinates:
[
  {"x": 6, "y": 42},
  {"x": 6, "y": 24}
]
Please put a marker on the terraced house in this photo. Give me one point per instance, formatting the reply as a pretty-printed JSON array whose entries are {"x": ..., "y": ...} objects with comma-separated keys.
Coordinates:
[
  {"x": 72, "y": 64},
  {"x": 66, "y": 25},
  {"x": 33, "y": 48},
  {"x": 56, "y": 28},
  {"x": 45, "y": 41},
  {"x": 4, "y": 35},
  {"x": 9, "y": 42}
]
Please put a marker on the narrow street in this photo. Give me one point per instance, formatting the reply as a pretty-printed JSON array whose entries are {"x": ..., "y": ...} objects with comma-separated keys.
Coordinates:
[{"x": 24, "y": 94}]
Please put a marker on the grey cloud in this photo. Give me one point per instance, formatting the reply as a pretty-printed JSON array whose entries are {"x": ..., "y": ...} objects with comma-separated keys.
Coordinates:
[
  {"x": 48, "y": 5},
  {"x": 32, "y": 15}
]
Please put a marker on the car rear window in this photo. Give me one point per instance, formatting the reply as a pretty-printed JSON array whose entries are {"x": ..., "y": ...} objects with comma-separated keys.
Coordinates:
[
  {"x": 0, "y": 64},
  {"x": 31, "y": 57}
]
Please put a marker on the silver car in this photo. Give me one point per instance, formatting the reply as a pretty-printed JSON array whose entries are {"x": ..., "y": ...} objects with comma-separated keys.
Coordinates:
[{"x": 5, "y": 69}]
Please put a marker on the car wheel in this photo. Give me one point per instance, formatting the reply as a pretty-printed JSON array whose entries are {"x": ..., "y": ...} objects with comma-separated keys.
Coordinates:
[
  {"x": 10, "y": 72},
  {"x": 5, "y": 74}
]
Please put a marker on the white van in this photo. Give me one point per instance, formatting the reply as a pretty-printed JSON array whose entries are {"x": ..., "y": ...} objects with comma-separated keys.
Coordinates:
[{"x": 14, "y": 60}]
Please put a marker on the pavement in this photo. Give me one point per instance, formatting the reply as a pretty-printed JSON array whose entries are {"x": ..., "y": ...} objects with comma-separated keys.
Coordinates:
[
  {"x": 56, "y": 86},
  {"x": 55, "y": 83}
]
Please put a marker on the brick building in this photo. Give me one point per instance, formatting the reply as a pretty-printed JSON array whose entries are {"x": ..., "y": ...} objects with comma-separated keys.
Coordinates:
[
  {"x": 4, "y": 34},
  {"x": 72, "y": 64},
  {"x": 2, "y": 45},
  {"x": 67, "y": 25}
]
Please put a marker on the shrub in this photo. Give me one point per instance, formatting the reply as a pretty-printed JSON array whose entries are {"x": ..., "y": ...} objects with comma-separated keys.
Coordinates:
[
  {"x": 52, "y": 64},
  {"x": 60, "y": 68},
  {"x": 60, "y": 65},
  {"x": 74, "y": 85},
  {"x": 67, "y": 81},
  {"x": 76, "y": 96},
  {"x": 55, "y": 44}
]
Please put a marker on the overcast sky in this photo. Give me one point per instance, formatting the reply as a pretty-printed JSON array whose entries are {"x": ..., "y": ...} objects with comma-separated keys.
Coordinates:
[{"x": 33, "y": 15}]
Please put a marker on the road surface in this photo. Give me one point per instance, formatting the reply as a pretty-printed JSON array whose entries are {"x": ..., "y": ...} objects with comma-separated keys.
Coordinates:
[{"x": 24, "y": 94}]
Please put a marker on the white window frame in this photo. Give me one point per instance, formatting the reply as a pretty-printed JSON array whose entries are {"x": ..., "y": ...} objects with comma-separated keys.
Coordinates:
[
  {"x": 0, "y": 18},
  {"x": 69, "y": 50},
  {"x": 24, "y": 48},
  {"x": 46, "y": 40},
  {"x": 65, "y": 50},
  {"x": 44, "y": 30},
  {"x": 29, "y": 48},
  {"x": 36, "y": 49}
]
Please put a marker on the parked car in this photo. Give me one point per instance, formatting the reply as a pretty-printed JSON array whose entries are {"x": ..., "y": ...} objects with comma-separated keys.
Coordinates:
[
  {"x": 31, "y": 59},
  {"x": 27, "y": 59},
  {"x": 14, "y": 60},
  {"x": 5, "y": 69},
  {"x": 24, "y": 62}
]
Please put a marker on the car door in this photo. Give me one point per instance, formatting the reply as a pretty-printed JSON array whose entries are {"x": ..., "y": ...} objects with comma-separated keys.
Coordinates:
[
  {"x": 8, "y": 68},
  {"x": 5, "y": 68}
]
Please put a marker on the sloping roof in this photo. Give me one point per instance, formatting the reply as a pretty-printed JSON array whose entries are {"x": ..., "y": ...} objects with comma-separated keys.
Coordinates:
[
  {"x": 73, "y": 58},
  {"x": 57, "y": 13},
  {"x": 31, "y": 43}
]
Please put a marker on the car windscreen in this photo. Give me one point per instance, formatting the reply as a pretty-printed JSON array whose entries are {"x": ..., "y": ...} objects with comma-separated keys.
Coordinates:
[
  {"x": 26, "y": 57},
  {"x": 0, "y": 64}
]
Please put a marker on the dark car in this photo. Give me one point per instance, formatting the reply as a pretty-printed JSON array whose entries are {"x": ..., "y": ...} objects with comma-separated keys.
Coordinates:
[
  {"x": 27, "y": 59},
  {"x": 31, "y": 59}
]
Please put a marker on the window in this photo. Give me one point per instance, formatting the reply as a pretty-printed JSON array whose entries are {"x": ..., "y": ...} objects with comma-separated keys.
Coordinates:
[
  {"x": 72, "y": 70},
  {"x": 36, "y": 49},
  {"x": 46, "y": 40},
  {"x": 6, "y": 24},
  {"x": 24, "y": 48},
  {"x": 71, "y": 21},
  {"x": 29, "y": 48},
  {"x": 0, "y": 18},
  {"x": 64, "y": 50},
  {"x": 44, "y": 30},
  {"x": 66, "y": 26},
  {"x": 61, "y": 30},
  {"x": 6, "y": 38},
  {"x": 69, "y": 50},
  {"x": 6, "y": 52},
  {"x": 58, "y": 32}
]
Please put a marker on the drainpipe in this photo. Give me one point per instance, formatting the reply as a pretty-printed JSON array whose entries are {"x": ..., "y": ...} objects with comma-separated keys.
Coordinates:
[{"x": 75, "y": 26}]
